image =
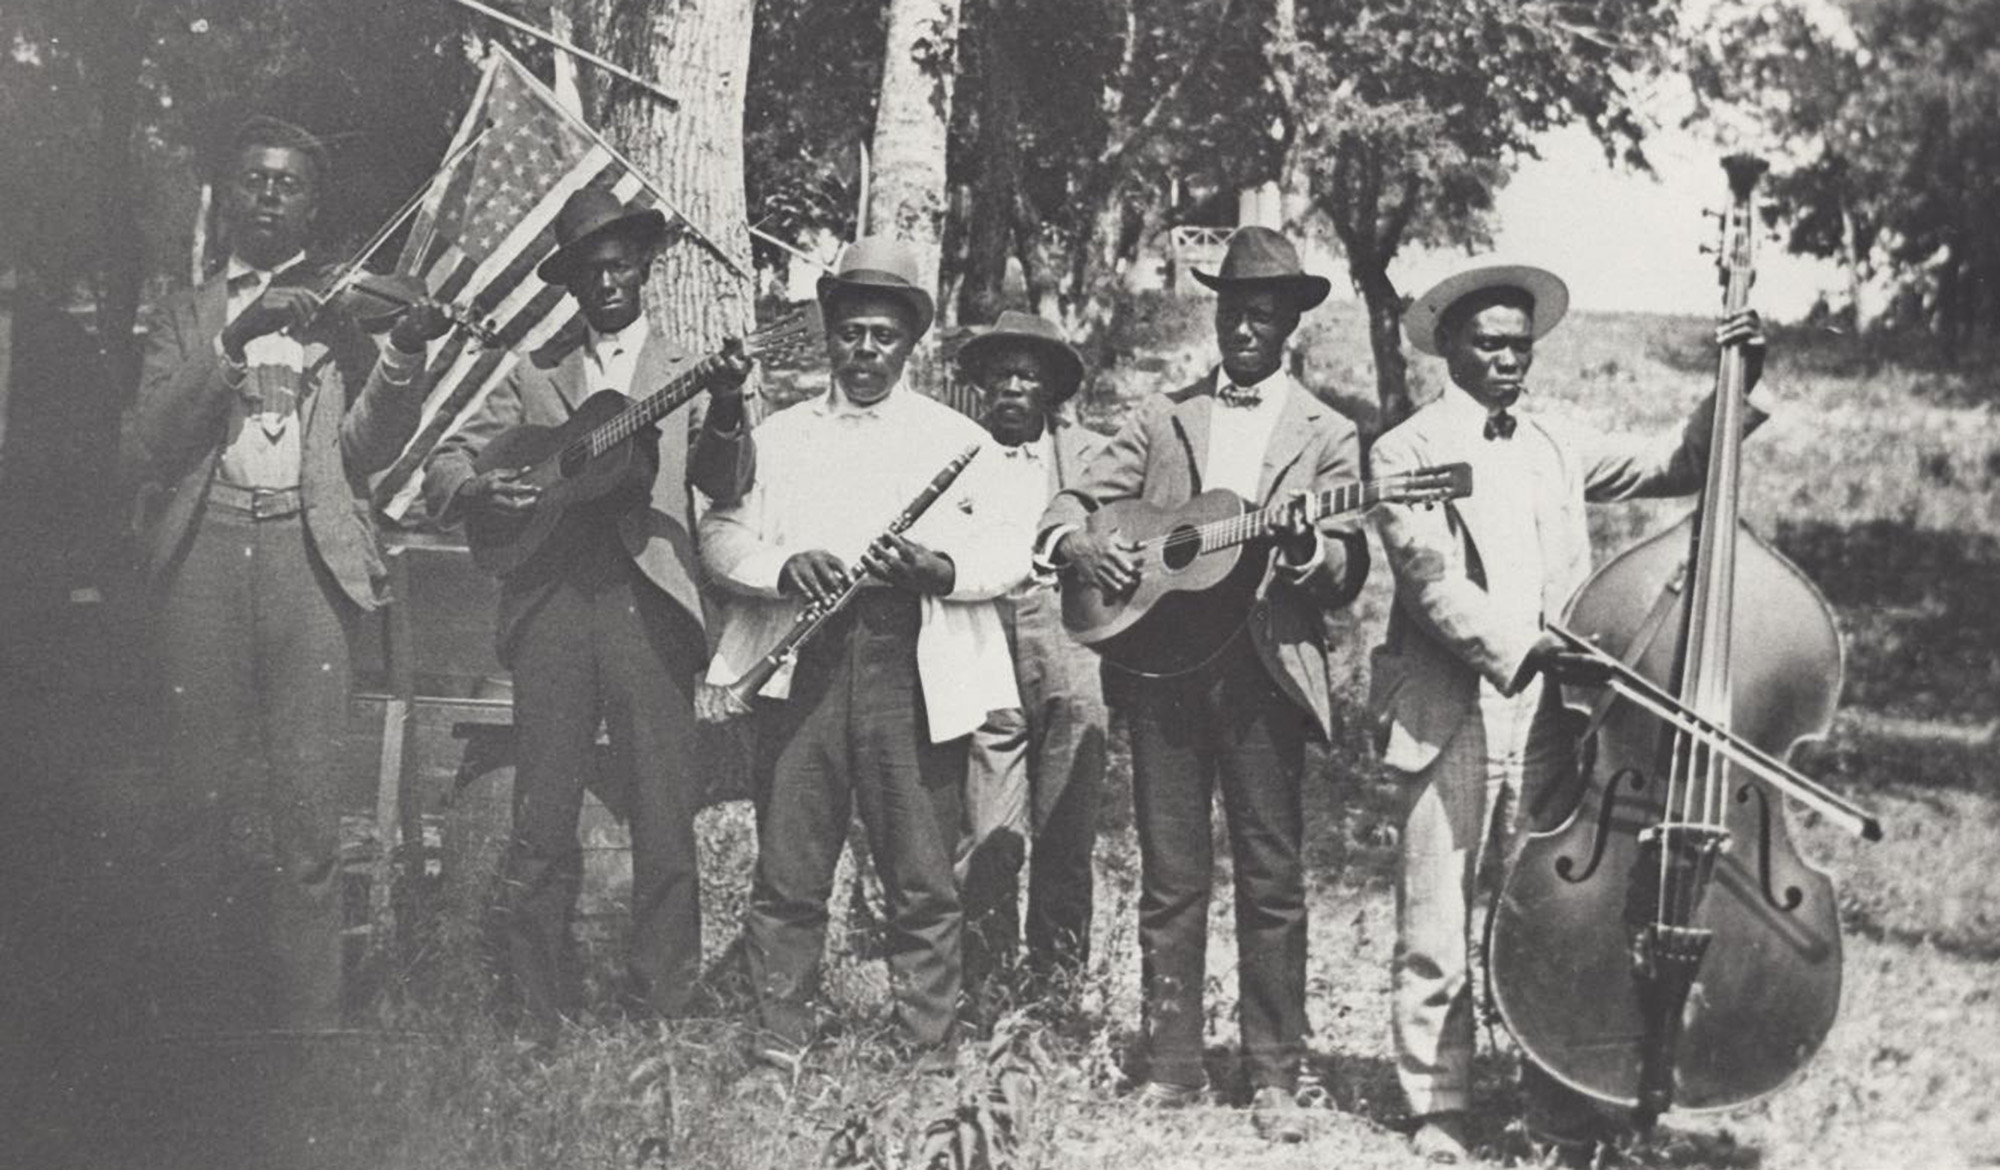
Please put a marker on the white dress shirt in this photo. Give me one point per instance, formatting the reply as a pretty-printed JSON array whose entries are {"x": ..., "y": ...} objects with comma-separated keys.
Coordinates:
[
  {"x": 1239, "y": 435},
  {"x": 613, "y": 358},
  {"x": 832, "y": 476},
  {"x": 262, "y": 449},
  {"x": 1520, "y": 480}
]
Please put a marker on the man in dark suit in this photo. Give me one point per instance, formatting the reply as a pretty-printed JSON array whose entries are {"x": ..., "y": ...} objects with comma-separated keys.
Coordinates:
[
  {"x": 608, "y": 627},
  {"x": 263, "y": 546},
  {"x": 1235, "y": 722},
  {"x": 1034, "y": 772}
]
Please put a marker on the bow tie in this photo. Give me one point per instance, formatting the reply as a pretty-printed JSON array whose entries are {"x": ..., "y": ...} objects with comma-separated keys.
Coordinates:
[
  {"x": 1230, "y": 394},
  {"x": 1500, "y": 425}
]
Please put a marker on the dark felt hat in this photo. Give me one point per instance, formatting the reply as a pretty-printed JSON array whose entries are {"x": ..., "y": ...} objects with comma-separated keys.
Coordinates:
[
  {"x": 1260, "y": 257},
  {"x": 881, "y": 264},
  {"x": 589, "y": 214},
  {"x": 1038, "y": 334}
]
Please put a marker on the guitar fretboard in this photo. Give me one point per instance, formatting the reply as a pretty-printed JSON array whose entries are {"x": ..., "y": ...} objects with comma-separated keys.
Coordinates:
[
  {"x": 1221, "y": 534},
  {"x": 648, "y": 410}
]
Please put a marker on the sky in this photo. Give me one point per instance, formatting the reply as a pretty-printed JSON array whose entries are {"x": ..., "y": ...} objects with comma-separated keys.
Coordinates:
[{"x": 1630, "y": 242}]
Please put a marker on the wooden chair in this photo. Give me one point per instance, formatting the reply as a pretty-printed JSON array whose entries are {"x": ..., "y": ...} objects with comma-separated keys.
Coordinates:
[{"x": 437, "y": 666}]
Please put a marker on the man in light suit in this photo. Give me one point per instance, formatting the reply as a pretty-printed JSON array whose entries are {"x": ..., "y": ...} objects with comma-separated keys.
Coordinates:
[
  {"x": 1459, "y": 682},
  {"x": 257, "y": 421},
  {"x": 608, "y": 626},
  {"x": 1241, "y": 721},
  {"x": 1034, "y": 772}
]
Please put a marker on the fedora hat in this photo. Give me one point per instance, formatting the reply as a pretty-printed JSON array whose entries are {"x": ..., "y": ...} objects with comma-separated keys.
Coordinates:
[
  {"x": 1259, "y": 256},
  {"x": 590, "y": 214},
  {"x": 1037, "y": 334},
  {"x": 1549, "y": 294},
  {"x": 880, "y": 264}
]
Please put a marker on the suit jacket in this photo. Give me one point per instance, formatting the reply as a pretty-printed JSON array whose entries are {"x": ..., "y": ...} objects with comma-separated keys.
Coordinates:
[
  {"x": 1075, "y": 446},
  {"x": 1158, "y": 456},
  {"x": 1444, "y": 633},
  {"x": 544, "y": 389},
  {"x": 177, "y": 428}
]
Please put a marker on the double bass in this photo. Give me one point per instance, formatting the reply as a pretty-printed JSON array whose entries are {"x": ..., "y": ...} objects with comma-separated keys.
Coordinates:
[{"x": 1666, "y": 946}]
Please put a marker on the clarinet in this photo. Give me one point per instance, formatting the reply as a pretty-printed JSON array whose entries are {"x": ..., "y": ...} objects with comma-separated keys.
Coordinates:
[{"x": 815, "y": 616}]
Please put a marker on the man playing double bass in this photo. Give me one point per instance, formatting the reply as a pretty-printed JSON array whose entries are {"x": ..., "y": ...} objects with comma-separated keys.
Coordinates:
[{"x": 1460, "y": 682}]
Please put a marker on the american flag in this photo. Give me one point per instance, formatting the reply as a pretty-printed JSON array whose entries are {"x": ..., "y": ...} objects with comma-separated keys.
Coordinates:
[{"x": 486, "y": 224}]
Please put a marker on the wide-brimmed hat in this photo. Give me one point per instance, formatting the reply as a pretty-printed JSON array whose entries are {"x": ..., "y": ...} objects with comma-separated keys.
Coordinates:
[
  {"x": 1426, "y": 313},
  {"x": 589, "y": 214},
  {"x": 1037, "y": 334},
  {"x": 881, "y": 264},
  {"x": 1258, "y": 256}
]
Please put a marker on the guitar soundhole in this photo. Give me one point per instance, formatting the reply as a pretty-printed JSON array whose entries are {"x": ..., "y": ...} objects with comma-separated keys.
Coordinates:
[
  {"x": 1182, "y": 546},
  {"x": 572, "y": 460}
]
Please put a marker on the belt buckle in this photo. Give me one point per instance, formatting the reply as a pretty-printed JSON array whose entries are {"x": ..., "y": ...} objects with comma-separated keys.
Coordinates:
[{"x": 266, "y": 503}]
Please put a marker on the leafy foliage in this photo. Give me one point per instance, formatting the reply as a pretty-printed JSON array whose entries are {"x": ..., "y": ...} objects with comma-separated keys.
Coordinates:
[{"x": 1886, "y": 115}]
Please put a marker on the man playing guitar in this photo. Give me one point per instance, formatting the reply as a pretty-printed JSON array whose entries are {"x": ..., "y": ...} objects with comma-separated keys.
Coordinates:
[
  {"x": 610, "y": 629},
  {"x": 1237, "y": 720}
]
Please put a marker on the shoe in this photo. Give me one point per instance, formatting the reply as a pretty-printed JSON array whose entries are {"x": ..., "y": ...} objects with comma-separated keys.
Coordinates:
[
  {"x": 1442, "y": 1139},
  {"x": 1167, "y": 1095},
  {"x": 1276, "y": 1114}
]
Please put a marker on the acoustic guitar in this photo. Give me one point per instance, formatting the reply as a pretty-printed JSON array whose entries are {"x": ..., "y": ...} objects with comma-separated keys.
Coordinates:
[
  {"x": 590, "y": 455},
  {"x": 1196, "y": 585}
]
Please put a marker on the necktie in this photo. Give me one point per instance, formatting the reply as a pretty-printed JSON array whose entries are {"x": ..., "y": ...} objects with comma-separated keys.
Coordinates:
[
  {"x": 1230, "y": 394},
  {"x": 1500, "y": 425}
]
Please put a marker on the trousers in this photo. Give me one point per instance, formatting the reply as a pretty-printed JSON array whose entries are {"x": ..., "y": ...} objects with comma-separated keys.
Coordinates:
[
  {"x": 255, "y": 660},
  {"x": 853, "y": 735},
  {"x": 603, "y": 645},
  {"x": 1034, "y": 780},
  {"x": 1227, "y": 728}
]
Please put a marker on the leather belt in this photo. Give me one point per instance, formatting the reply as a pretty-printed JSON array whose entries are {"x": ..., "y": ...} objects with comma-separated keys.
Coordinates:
[{"x": 256, "y": 503}]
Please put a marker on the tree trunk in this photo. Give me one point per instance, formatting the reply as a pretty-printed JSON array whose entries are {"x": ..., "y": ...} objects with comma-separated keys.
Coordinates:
[
  {"x": 115, "y": 65},
  {"x": 695, "y": 154},
  {"x": 912, "y": 124},
  {"x": 996, "y": 167},
  {"x": 1385, "y": 336}
]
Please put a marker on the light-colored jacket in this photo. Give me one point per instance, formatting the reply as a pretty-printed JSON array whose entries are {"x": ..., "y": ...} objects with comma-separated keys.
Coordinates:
[
  {"x": 1159, "y": 456},
  {"x": 1445, "y": 634},
  {"x": 962, "y": 657},
  {"x": 179, "y": 424}
]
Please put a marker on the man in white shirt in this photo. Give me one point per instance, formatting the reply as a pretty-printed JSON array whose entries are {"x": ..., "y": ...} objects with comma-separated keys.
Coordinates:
[
  {"x": 257, "y": 421},
  {"x": 607, "y": 626},
  {"x": 874, "y": 712},
  {"x": 1240, "y": 722},
  {"x": 1036, "y": 771},
  {"x": 1459, "y": 682}
]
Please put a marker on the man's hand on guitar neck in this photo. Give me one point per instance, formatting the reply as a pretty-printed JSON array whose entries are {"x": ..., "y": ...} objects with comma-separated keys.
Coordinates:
[
  {"x": 500, "y": 490},
  {"x": 1111, "y": 564},
  {"x": 725, "y": 387}
]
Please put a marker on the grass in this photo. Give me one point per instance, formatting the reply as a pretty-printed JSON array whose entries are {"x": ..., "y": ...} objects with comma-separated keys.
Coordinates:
[{"x": 1877, "y": 479}]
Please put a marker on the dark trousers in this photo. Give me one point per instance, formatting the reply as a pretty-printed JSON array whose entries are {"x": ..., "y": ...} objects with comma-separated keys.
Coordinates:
[
  {"x": 603, "y": 644},
  {"x": 1227, "y": 726},
  {"x": 255, "y": 660},
  {"x": 1035, "y": 774},
  {"x": 854, "y": 734}
]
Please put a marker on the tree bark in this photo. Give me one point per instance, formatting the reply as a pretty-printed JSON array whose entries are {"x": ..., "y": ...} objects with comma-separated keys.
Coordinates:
[
  {"x": 912, "y": 124},
  {"x": 113, "y": 66},
  {"x": 694, "y": 155},
  {"x": 996, "y": 164}
]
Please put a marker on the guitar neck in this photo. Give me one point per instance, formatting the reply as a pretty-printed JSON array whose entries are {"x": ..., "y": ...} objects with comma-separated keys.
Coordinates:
[
  {"x": 653, "y": 407},
  {"x": 1348, "y": 497}
]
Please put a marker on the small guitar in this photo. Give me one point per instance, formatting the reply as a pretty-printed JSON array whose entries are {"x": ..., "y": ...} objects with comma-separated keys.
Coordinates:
[
  {"x": 590, "y": 455},
  {"x": 1195, "y": 585}
]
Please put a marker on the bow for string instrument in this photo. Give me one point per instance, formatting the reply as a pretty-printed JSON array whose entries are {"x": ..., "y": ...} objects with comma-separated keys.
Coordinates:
[{"x": 1667, "y": 946}]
